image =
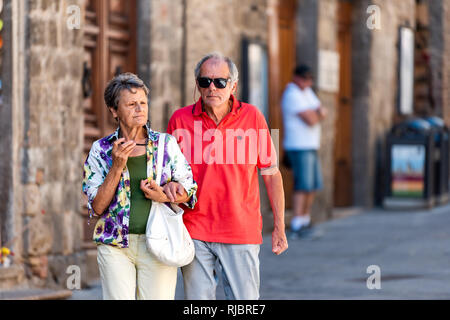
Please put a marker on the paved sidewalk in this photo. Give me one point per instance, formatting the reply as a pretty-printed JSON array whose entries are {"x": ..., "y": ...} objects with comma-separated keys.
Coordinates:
[{"x": 412, "y": 250}]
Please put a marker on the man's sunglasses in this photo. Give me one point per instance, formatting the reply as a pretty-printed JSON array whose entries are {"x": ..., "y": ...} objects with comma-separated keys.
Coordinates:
[{"x": 219, "y": 83}]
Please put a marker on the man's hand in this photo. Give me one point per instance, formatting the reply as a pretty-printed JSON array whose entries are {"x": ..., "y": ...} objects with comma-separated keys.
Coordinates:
[
  {"x": 279, "y": 241},
  {"x": 171, "y": 190},
  {"x": 153, "y": 192},
  {"x": 323, "y": 112}
]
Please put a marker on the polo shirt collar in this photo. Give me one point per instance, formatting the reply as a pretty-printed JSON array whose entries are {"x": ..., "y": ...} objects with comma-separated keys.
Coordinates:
[{"x": 198, "y": 108}]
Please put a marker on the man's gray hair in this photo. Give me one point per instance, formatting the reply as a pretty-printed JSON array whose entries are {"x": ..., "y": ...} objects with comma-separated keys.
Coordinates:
[
  {"x": 121, "y": 82},
  {"x": 234, "y": 73}
]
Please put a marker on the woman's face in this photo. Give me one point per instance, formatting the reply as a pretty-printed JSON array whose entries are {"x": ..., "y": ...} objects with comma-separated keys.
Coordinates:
[{"x": 133, "y": 108}]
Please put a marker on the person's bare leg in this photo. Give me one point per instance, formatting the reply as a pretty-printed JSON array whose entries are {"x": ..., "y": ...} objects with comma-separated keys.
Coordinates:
[
  {"x": 308, "y": 202},
  {"x": 300, "y": 201}
]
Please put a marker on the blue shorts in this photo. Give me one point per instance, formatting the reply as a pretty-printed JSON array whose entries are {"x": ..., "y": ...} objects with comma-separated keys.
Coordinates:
[{"x": 307, "y": 171}]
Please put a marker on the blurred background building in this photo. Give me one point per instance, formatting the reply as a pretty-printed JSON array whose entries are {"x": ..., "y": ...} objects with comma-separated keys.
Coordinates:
[{"x": 57, "y": 56}]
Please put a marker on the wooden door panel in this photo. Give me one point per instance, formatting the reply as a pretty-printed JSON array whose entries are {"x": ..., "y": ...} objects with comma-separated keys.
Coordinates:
[
  {"x": 109, "y": 47},
  {"x": 281, "y": 64},
  {"x": 343, "y": 143}
]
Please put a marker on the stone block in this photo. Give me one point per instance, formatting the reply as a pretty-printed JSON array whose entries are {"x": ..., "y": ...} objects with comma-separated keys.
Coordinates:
[
  {"x": 40, "y": 173},
  {"x": 39, "y": 266},
  {"x": 40, "y": 236},
  {"x": 38, "y": 31},
  {"x": 53, "y": 34},
  {"x": 68, "y": 234},
  {"x": 32, "y": 195}
]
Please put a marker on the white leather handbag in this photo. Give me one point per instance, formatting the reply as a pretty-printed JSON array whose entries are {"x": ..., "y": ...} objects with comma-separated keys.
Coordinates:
[{"x": 166, "y": 235}]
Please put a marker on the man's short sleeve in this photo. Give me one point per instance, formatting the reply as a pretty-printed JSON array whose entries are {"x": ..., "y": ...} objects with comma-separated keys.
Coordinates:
[
  {"x": 267, "y": 155},
  {"x": 295, "y": 101}
]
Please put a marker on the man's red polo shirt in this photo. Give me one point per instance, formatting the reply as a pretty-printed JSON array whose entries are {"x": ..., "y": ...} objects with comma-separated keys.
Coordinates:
[{"x": 224, "y": 160}]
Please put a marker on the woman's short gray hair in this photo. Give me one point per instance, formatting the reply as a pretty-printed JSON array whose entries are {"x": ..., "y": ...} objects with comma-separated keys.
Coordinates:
[
  {"x": 121, "y": 82},
  {"x": 234, "y": 73}
]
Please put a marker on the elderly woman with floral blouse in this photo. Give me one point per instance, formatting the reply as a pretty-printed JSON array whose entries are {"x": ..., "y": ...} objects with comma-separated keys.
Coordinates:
[{"x": 119, "y": 181}]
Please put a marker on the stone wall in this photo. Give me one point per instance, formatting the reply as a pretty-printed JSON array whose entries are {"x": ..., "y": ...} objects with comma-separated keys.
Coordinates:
[
  {"x": 327, "y": 40},
  {"x": 316, "y": 30},
  {"x": 361, "y": 88},
  {"x": 433, "y": 25},
  {"x": 220, "y": 26},
  {"x": 51, "y": 149},
  {"x": 375, "y": 107},
  {"x": 446, "y": 61},
  {"x": 166, "y": 59}
]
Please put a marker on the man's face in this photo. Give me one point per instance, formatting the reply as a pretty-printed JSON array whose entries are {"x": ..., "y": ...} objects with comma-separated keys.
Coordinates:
[
  {"x": 212, "y": 96},
  {"x": 304, "y": 83}
]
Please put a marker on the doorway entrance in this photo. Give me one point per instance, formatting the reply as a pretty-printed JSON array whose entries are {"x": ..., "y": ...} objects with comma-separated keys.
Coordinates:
[
  {"x": 281, "y": 65},
  {"x": 343, "y": 195},
  {"x": 109, "y": 49}
]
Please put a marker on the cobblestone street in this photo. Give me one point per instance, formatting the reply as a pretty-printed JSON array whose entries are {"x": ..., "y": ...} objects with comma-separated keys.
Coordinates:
[{"x": 412, "y": 250}]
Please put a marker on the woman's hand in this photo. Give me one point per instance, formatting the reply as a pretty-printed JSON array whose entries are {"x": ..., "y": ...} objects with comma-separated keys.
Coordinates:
[
  {"x": 121, "y": 151},
  {"x": 153, "y": 192}
]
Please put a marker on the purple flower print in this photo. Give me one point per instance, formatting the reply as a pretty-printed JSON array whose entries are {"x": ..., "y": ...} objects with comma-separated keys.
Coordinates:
[
  {"x": 105, "y": 144},
  {"x": 109, "y": 227},
  {"x": 164, "y": 178},
  {"x": 113, "y": 203}
]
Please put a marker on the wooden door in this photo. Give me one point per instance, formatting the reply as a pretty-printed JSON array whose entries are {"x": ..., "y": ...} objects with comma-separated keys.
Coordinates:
[
  {"x": 281, "y": 65},
  {"x": 109, "y": 49},
  {"x": 343, "y": 144}
]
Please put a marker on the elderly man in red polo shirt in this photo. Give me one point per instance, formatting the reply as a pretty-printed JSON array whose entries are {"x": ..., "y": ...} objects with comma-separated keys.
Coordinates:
[{"x": 225, "y": 141}]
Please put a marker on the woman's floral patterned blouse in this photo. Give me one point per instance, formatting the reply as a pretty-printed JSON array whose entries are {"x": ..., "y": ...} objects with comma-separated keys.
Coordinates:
[{"x": 112, "y": 227}]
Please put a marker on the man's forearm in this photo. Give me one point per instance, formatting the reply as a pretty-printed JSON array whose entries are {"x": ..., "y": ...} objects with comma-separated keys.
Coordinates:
[
  {"x": 182, "y": 198},
  {"x": 275, "y": 191}
]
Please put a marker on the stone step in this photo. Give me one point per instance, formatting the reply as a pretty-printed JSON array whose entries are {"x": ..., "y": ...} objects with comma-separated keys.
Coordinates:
[{"x": 35, "y": 294}]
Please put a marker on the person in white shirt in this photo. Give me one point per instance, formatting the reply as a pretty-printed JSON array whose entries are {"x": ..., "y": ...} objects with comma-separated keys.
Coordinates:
[{"x": 302, "y": 115}]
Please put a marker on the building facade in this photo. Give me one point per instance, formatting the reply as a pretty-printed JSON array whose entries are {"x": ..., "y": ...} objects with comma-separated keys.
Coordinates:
[{"x": 57, "y": 56}]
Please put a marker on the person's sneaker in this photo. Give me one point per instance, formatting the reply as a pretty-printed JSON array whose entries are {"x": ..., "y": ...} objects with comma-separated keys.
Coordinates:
[
  {"x": 307, "y": 233},
  {"x": 292, "y": 235},
  {"x": 297, "y": 234}
]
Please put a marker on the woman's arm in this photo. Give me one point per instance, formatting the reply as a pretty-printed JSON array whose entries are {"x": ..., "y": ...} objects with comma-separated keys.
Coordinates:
[{"x": 107, "y": 190}]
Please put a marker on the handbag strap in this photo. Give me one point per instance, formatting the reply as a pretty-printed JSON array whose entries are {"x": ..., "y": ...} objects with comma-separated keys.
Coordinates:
[{"x": 160, "y": 159}]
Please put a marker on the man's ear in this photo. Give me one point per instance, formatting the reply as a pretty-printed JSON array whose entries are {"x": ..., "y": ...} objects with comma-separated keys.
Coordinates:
[{"x": 234, "y": 88}]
